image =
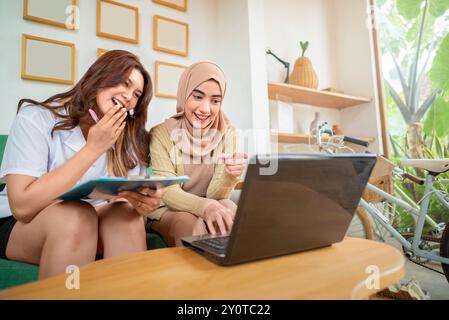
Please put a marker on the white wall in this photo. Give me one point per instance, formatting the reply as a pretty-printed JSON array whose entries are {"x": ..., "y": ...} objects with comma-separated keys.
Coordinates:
[
  {"x": 355, "y": 69},
  {"x": 341, "y": 54},
  {"x": 286, "y": 24},
  {"x": 201, "y": 16},
  {"x": 240, "y": 52},
  {"x": 259, "y": 92},
  {"x": 234, "y": 34},
  {"x": 232, "y": 44}
]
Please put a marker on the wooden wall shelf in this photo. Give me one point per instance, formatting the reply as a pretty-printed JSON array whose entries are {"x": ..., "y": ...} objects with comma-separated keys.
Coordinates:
[
  {"x": 297, "y": 138},
  {"x": 296, "y": 94}
]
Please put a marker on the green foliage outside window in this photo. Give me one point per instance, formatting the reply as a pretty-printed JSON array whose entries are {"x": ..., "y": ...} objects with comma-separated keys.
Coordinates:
[{"x": 414, "y": 39}]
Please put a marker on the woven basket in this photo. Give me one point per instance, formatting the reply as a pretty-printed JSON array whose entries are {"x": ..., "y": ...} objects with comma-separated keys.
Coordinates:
[
  {"x": 303, "y": 74},
  {"x": 381, "y": 177}
]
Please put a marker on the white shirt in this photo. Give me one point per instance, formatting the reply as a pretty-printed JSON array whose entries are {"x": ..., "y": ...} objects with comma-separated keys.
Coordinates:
[{"x": 31, "y": 150}]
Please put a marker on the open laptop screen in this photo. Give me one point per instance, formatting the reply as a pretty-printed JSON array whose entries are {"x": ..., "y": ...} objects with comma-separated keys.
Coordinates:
[{"x": 307, "y": 203}]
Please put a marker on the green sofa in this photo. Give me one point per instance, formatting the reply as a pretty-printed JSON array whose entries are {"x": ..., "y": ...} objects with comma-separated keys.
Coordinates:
[{"x": 13, "y": 273}]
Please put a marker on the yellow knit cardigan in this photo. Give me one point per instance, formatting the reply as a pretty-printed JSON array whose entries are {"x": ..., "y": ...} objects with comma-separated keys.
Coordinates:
[{"x": 166, "y": 160}]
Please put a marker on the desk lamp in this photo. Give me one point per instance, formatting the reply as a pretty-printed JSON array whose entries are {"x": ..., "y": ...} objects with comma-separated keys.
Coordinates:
[{"x": 285, "y": 63}]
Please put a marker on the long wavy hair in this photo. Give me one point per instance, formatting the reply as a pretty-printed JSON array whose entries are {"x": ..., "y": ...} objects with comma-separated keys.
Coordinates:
[{"x": 111, "y": 69}]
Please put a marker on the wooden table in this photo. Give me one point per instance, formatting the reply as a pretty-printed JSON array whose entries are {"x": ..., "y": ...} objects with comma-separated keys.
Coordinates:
[{"x": 335, "y": 272}]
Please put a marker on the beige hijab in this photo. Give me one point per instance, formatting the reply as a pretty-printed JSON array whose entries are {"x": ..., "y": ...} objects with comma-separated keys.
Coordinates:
[{"x": 197, "y": 145}]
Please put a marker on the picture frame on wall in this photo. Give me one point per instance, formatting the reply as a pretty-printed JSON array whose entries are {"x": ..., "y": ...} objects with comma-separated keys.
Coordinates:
[
  {"x": 180, "y": 5},
  {"x": 170, "y": 36},
  {"x": 167, "y": 78},
  {"x": 117, "y": 21},
  {"x": 47, "y": 60},
  {"x": 100, "y": 52},
  {"x": 58, "y": 13}
]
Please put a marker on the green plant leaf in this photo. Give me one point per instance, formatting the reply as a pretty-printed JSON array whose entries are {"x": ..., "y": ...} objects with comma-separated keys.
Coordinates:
[
  {"x": 439, "y": 73},
  {"x": 438, "y": 148},
  {"x": 406, "y": 194},
  {"x": 304, "y": 46},
  {"x": 413, "y": 31},
  {"x": 438, "y": 7},
  {"x": 399, "y": 151},
  {"x": 444, "y": 151},
  {"x": 405, "y": 112},
  {"x": 409, "y": 9},
  {"x": 417, "y": 117},
  {"x": 405, "y": 88},
  {"x": 437, "y": 118},
  {"x": 432, "y": 139}
]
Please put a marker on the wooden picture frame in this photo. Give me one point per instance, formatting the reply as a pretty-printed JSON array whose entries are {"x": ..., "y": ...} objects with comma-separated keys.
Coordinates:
[
  {"x": 167, "y": 79},
  {"x": 117, "y": 21},
  {"x": 180, "y": 5},
  {"x": 170, "y": 36},
  {"x": 51, "y": 12},
  {"x": 47, "y": 60},
  {"x": 100, "y": 51}
]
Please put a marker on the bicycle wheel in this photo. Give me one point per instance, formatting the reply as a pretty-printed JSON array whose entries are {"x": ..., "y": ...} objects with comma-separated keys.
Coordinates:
[
  {"x": 360, "y": 226},
  {"x": 444, "y": 250}
]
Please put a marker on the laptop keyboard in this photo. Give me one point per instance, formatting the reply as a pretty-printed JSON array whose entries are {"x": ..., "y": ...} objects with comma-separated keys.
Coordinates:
[{"x": 216, "y": 244}]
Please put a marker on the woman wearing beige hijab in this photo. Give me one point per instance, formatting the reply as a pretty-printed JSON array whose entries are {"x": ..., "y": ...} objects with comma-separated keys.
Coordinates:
[{"x": 199, "y": 142}]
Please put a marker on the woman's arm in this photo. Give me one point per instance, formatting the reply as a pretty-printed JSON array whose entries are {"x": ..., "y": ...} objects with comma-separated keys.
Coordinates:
[
  {"x": 28, "y": 195},
  {"x": 223, "y": 183},
  {"x": 173, "y": 197}
]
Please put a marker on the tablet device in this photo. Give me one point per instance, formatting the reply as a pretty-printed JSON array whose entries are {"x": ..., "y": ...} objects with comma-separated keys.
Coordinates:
[{"x": 110, "y": 187}]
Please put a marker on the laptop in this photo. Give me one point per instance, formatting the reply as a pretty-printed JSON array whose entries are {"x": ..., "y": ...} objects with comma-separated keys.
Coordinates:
[{"x": 307, "y": 203}]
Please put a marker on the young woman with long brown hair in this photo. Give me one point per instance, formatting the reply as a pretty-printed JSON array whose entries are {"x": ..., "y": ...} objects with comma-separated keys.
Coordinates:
[{"x": 54, "y": 145}]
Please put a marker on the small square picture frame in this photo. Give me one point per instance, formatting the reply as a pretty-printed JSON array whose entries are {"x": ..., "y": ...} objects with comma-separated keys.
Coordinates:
[
  {"x": 167, "y": 78},
  {"x": 60, "y": 13},
  {"x": 47, "y": 60},
  {"x": 170, "y": 36},
  {"x": 117, "y": 21}
]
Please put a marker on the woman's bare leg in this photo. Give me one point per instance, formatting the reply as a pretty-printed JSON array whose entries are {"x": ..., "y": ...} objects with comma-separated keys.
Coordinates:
[
  {"x": 121, "y": 230},
  {"x": 174, "y": 225},
  {"x": 62, "y": 234}
]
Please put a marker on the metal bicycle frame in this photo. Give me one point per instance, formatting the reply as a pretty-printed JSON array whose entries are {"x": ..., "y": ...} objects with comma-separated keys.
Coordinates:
[{"x": 421, "y": 214}]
